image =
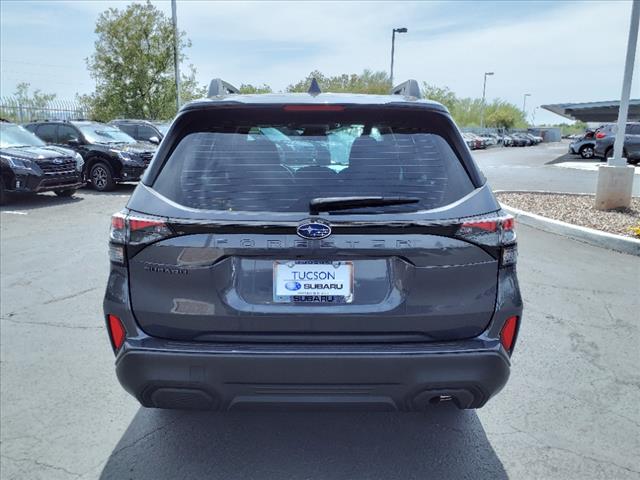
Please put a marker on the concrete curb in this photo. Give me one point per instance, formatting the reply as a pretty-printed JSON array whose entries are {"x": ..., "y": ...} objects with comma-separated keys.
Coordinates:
[{"x": 597, "y": 238}]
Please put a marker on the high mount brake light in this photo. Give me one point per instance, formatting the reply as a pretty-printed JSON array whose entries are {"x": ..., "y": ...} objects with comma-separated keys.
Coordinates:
[{"x": 313, "y": 108}]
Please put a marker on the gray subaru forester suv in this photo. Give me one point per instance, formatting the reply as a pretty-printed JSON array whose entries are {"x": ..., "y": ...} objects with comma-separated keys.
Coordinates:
[{"x": 312, "y": 250}]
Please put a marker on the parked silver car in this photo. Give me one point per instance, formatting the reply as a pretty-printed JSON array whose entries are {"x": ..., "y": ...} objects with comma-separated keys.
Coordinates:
[{"x": 584, "y": 146}]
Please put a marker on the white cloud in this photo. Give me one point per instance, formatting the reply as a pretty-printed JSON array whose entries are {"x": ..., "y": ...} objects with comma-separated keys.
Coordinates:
[{"x": 574, "y": 52}]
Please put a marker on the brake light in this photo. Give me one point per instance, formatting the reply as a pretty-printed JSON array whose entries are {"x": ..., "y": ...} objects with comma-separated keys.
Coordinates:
[
  {"x": 136, "y": 224},
  {"x": 600, "y": 135},
  {"x": 130, "y": 229},
  {"x": 490, "y": 226},
  {"x": 491, "y": 231},
  {"x": 498, "y": 231},
  {"x": 508, "y": 333},
  {"x": 117, "y": 332}
]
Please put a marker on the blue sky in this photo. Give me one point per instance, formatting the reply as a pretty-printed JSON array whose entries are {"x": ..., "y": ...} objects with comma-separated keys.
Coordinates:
[{"x": 557, "y": 51}]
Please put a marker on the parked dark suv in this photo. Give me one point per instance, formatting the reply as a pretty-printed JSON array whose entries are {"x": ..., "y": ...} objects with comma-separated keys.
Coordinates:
[
  {"x": 141, "y": 130},
  {"x": 378, "y": 274},
  {"x": 110, "y": 155},
  {"x": 28, "y": 165},
  {"x": 606, "y": 136}
]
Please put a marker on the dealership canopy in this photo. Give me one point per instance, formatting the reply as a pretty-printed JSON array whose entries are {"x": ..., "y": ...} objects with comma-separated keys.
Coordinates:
[{"x": 594, "y": 111}]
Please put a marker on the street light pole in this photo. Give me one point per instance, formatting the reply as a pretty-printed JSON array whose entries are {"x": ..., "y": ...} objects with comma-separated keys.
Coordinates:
[
  {"x": 626, "y": 87},
  {"x": 393, "y": 47},
  {"x": 484, "y": 90},
  {"x": 615, "y": 180},
  {"x": 176, "y": 59},
  {"x": 524, "y": 104}
]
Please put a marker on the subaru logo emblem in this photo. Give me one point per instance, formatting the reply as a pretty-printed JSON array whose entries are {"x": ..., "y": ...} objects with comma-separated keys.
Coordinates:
[
  {"x": 58, "y": 161},
  {"x": 293, "y": 286},
  {"x": 313, "y": 230}
]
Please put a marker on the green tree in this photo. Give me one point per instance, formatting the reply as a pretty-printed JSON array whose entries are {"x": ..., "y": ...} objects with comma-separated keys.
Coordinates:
[
  {"x": 37, "y": 99},
  {"x": 25, "y": 105},
  {"x": 366, "y": 82},
  {"x": 442, "y": 95},
  {"x": 133, "y": 65},
  {"x": 577, "y": 127},
  {"x": 467, "y": 112},
  {"x": 503, "y": 114},
  {"x": 248, "y": 88}
]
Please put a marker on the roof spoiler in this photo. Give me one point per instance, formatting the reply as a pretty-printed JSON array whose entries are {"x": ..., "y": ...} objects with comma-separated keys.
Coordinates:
[
  {"x": 220, "y": 87},
  {"x": 410, "y": 88}
]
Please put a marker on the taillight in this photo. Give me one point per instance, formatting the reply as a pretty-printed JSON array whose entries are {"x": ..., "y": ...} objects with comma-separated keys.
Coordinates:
[
  {"x": 146, "y": 229},
  {"x": 508, "y": 333},
  {"x": 134, "y": 229},
  {"x": 600, "y": 135},
  {"x": 117, "y": 332},
  {"x": 492, "y": 231}
]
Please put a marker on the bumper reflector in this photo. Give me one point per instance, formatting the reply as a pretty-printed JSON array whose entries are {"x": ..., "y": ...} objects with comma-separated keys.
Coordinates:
[
  {"x": 116, "y": 331},
  {"x": 508, "y": 333}
]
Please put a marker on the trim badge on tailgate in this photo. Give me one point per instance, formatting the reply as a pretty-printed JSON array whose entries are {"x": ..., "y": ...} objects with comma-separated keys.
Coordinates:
[{"x": 313, "y": 230}]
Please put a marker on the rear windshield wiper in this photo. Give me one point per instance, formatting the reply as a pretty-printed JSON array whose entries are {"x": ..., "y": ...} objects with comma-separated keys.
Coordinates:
[{"x": 333, "y": 204}]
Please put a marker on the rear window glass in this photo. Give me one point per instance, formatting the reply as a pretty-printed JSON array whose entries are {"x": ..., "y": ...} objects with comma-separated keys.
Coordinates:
[{"x": 281, "y": 167}]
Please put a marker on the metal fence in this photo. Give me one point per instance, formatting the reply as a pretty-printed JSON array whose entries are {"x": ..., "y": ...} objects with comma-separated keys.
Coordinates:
[{"x": 16, "y": 110}]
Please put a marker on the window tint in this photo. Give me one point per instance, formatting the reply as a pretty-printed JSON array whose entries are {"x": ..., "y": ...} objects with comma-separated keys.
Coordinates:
[
  {"x": 16, "y": 136},
  {"x": 282, "y": 167},
  {"x": 95, "y": 132},
  {"x": 633, "y": 129},
  {"x": 129, "y": 129},
  {"x": 145, "y": 133},
  {"x": 66, "y": 133},
  {"x": 47, "y": 132}
]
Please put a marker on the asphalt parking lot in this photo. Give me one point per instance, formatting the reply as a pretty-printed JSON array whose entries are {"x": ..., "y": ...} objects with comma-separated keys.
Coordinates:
[
  {"x": 527, "y": 168},
  {"x": 570, "y": 410}
]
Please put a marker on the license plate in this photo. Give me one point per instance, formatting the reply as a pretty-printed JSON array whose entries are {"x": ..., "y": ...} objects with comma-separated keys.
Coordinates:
[{"x": 312, "y": 281}]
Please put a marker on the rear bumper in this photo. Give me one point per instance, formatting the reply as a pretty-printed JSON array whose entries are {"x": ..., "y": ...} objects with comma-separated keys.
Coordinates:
[{"x": 165, "y": 374}]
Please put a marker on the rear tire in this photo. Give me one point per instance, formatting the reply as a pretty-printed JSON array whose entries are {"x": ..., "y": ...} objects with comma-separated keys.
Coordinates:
[
  {"x": 608, "y": 154},
  {"x": 66, "y": 193},
  {"x": 586, "y": 152},
  {"x": 101, "y": 177}
]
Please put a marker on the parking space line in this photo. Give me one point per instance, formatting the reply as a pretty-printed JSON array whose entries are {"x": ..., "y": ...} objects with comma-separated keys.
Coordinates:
[{"x": 15, "y": 212}]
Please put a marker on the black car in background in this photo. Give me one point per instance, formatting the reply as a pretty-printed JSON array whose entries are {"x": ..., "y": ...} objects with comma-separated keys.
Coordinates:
[
  {"x": 142, "y": 130},
  {"x": 606, "y": 136},
  {"x": 110, "y": 155},
  {"x": 28, "y": 165}
]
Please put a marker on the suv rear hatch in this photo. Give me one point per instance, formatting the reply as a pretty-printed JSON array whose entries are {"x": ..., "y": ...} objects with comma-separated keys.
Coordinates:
[{"x": 215, "y": 237}]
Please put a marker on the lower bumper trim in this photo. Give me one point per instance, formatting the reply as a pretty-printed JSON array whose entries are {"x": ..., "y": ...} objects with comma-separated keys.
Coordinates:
[{"x": 246, "y": 381}]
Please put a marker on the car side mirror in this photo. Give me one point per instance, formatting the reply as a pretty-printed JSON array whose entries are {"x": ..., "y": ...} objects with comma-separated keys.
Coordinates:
[
  {"x": 74, "y": 142},
  {"x": 155, "y": 140}
]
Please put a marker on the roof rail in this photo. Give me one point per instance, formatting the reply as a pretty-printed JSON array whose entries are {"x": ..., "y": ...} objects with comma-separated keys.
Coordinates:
[
  {"x": 410, "y": 88},
  {"x": 220, "y": 87}
]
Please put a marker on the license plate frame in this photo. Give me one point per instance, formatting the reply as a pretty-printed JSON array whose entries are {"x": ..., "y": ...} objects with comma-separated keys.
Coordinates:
[{"x": 330, "y": 272}]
